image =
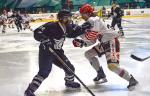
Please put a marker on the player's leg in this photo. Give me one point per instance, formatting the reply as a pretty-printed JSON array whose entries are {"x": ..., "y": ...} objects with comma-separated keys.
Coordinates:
[
  {"x": 91, "y": 57},
  {"x": 20, "y": 25},
  {"x": 28, "y": 26},
  {"x": 17, "y": 26},
  {"x": 4, "y": 28},
  {"x": 113, "y": 23},
  {"x": 1, "y": 23},
  {"x": 12, "y": 23},
  {"x": 120, "y": 27},
  {"x": 9, "y": 23},
  {"x": 69, "y": 76},
  {"x": 112, "y": 57},
  {"x": 45, "y": 65},
  {"x": 24, "y": 25}
]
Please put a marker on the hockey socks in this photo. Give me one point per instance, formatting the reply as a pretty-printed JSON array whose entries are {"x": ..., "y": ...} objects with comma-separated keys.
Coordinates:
[{"x": 34, "y": 85}]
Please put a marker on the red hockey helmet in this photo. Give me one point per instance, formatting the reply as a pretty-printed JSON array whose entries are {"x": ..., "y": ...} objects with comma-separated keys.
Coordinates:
[{"x": 86, "y": 8}]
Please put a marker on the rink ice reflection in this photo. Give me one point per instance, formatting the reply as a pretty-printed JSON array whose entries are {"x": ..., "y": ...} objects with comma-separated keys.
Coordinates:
[{"x": 19, "y": 63}]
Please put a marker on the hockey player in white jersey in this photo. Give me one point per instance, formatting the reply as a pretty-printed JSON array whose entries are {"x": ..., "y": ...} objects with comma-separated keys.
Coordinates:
[
  {"x": 4, "y": 21},
  {"x": 108, "y": 45},
  {"x": 10, "y": 20},
  {"x": 26, "y": 21}
]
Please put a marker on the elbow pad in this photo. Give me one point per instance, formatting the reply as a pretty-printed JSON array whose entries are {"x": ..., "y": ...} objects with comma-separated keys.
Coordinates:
[{"x": 39, "y": 36}]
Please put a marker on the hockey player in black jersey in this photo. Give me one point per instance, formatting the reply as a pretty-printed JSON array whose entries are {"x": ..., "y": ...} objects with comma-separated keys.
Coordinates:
[
  {"x": 116, "y": 14},
  {"x": 18, "y": 20},
  {"x": 53, "y": 35}
]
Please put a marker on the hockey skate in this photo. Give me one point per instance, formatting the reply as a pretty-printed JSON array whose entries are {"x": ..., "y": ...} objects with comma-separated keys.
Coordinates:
[
  {"x": 121, "y": 33},
  {"x": 100, "y": 78},
  {"x": 71, "y": 85},
  {"x": 29, "y": 93},
  {"x": 3, "y": 31},
  {"x": 132, "y": 83},
  {"x": 18, "y": 30}
]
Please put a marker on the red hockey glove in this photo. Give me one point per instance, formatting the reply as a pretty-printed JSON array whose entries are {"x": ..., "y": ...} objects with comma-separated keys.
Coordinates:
[{"x": 78, "y": 43}]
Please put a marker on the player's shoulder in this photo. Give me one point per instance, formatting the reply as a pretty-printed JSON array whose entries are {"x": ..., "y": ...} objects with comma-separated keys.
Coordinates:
[
  {"x": 118, "y": 8},
  {"x": 51, "y": 24},
  {"x": 92, "y": 20}
]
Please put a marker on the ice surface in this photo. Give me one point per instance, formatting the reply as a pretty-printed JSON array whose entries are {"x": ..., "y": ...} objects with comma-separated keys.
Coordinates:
[{"x": 19, "y": 63}]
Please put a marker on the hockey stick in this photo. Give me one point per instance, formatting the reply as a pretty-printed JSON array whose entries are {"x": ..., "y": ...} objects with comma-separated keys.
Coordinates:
[
  {"x": 55, "y": 54},
  {"x": 128, "y": 21},
  {"x": 138, "y": 58},
  {"x": 140, "y": 54}
]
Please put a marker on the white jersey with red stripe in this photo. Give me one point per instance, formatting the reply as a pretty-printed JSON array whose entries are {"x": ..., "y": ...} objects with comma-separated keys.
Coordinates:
[
  {"x": 4, "y": 17},
  {"x": 26, "y": 19},
  {"x": 99, "y": 28}
]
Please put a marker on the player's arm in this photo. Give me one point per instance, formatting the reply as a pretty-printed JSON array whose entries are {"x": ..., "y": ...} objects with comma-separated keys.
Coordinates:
[
  {"x": 83, "y": 43},
  {"x": 39, "y": 35},
  {"x": 88, "y": 39},
  {"x": 79, "y": 30},
  {"x": 120, "y": 12},
  {"x": 111, "y": 13}
]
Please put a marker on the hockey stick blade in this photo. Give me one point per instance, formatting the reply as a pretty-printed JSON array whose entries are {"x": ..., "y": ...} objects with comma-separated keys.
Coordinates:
[{"x": 138, "y": 59}]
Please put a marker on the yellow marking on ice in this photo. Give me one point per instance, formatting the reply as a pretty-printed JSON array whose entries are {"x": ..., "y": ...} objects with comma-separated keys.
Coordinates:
[{"x": 143, "y": 16}]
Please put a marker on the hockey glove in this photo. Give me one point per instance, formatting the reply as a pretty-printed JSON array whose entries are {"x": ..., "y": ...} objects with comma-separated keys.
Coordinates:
[
  {"x": 46, "y": 43},
  {"x": 86, "y": 25},
  {"x": 78, "y": 43},
  {"x": 100, "y": 37}
]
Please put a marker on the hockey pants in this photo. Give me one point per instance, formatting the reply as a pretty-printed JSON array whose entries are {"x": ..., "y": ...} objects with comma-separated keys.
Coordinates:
[
  {"x": 46, "y": 59},
  {"x": 118, "y": 22}
]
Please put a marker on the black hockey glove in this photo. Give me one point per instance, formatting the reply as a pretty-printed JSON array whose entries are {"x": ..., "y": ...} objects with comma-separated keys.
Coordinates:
[
  {"x": 86, "y": 25},
  {"x": 46, "y": 43}
]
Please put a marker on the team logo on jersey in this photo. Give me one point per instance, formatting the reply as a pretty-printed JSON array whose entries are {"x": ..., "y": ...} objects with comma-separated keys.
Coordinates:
[
  {"x": 42, "y": 28},
  {"x": 58, "y": 43}
]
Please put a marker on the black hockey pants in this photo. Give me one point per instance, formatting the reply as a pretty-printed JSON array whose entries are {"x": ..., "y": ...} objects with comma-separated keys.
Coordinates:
[
  {"x": 118, "y": 22},
  {"x": 46, "y": 58},
  {"x": 18, "y": 25}
]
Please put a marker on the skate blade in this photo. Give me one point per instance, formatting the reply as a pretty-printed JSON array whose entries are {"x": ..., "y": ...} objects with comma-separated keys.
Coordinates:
[
  {"x": 132, "y": 88},
  {"x": 72, "y": 89},
  {"x": 101, "y": 81}
]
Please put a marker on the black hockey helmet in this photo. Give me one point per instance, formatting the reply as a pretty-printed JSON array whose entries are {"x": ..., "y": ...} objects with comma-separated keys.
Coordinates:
[{"x": 64, "y": 13}]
